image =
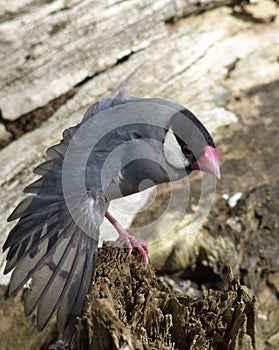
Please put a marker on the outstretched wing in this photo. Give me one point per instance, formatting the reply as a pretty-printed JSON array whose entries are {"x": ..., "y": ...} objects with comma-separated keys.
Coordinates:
[{"x": 54, "y": 244}]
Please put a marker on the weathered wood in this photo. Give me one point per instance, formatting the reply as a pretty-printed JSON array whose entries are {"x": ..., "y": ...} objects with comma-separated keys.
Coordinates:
[
  {"x": 130, "y": 308},
  {"x": 49, "y": 47}
]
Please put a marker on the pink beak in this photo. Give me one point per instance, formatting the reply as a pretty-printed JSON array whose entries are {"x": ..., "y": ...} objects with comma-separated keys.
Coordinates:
[{"x": 208, "y": 162}]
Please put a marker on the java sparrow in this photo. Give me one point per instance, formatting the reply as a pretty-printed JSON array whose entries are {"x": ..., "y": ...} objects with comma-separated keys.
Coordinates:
[{"x": 120, "y": 143}]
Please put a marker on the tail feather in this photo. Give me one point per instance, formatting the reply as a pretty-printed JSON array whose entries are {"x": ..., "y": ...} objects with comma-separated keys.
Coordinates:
[
  {"x": 77, "y": 291},
  {"x": 48, "y": 292},
  {"x": 40, "y": 286}
]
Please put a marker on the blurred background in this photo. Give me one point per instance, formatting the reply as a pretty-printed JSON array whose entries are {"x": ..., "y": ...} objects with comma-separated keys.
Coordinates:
[{"x": 220, "y": 59}]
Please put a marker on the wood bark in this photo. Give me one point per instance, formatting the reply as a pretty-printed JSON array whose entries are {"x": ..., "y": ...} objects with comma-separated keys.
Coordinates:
[
  {"x": 48, "y": 47},
  {"x": 130, "y": 308}
]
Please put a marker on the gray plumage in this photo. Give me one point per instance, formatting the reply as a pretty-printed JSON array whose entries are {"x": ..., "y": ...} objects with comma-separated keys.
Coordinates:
[{"x": 55, "y": 240}]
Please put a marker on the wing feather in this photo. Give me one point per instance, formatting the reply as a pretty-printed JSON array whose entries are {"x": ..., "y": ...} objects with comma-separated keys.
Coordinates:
[
  {"x": 74, "y": 300},
  {"x": 54, "y": 249}
]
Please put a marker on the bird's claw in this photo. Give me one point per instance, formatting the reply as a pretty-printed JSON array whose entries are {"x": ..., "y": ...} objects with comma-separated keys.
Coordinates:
[{"x": 131, "y": 243}]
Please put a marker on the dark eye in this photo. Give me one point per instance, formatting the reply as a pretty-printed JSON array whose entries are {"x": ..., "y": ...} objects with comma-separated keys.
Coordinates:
[{"x": 187, "y": 151}]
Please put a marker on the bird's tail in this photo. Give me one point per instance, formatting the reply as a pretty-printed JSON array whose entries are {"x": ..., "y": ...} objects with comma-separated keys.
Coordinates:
[{"x": 50, "y": 248}]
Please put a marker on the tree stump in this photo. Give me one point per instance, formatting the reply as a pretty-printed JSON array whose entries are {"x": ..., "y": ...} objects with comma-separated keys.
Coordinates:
[{"x": 130, "y": 308}]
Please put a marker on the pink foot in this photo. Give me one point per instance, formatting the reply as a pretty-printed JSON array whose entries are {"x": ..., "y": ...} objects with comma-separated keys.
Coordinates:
[{"x": 130, "y": 241}]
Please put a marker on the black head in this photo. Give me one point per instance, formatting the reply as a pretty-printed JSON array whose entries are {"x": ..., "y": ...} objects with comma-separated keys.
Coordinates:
[{"x": 189, "y": 145}]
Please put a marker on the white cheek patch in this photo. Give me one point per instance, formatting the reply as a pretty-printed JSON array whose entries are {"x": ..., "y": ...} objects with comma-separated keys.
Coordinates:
[{"x": 173, "y": 153}]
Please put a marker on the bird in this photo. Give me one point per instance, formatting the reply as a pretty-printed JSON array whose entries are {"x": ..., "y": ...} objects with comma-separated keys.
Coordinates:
[{"x": 119, "y": 144}]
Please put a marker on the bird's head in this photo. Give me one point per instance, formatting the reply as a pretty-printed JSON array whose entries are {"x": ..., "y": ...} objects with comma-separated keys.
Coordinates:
[{"x": 188, "y": 145}]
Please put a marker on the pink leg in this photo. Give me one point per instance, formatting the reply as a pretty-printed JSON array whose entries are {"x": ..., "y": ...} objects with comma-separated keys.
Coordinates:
[{"x": 130, "y": 241}]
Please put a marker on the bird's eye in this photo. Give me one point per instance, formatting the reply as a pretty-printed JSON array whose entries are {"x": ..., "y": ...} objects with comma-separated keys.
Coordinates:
[{"x": 187, "y": 151}]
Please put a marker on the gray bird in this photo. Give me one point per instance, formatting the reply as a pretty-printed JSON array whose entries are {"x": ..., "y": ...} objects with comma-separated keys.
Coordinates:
[{"x": 123, "y": 145}]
